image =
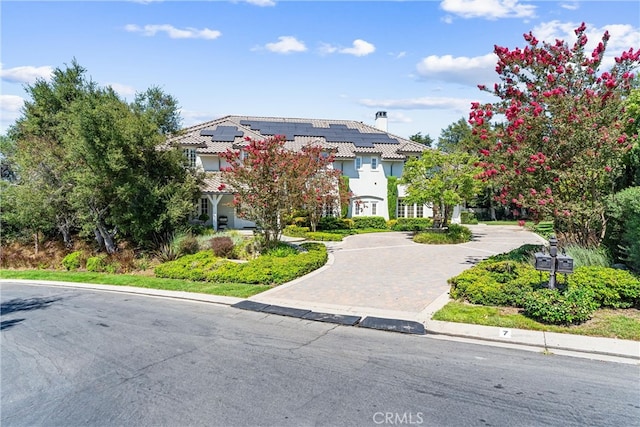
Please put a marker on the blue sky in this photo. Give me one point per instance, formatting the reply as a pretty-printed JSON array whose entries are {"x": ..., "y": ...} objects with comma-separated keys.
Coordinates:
[{"x": 420, "y": 61}]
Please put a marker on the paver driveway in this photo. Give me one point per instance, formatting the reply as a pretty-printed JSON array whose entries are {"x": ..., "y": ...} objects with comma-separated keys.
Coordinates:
[{"x": 388, "y": 271}]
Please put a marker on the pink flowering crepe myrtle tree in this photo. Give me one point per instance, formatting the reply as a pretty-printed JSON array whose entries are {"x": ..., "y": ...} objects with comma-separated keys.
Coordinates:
[
  {"x": 562, "y": 142},
  {"x": 270, "y": 182}
]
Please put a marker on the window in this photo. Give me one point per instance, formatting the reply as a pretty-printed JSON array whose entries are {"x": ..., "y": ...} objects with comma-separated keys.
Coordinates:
[
  {"x": 401, "y": 208},
  {"x": 410, "y": 211},
  {"x": 419, "y": 211},
  {"x": 358, "y": 163},
  {"x": 374, "y": 163},
  {"x": 374, "y": 208},
  {"x": 190, "y": 155},
  {"x": 204, "y": 207}
]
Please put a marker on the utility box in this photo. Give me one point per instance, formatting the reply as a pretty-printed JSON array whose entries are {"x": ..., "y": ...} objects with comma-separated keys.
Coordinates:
[
  {"x": 543, "y": 261},
  {"x": 565, "y": 264}
]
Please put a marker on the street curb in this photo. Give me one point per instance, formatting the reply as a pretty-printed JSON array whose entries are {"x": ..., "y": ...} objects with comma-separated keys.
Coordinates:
[
  {"x": 191, "y": 296},
  {"x": 625, "y": 350}
]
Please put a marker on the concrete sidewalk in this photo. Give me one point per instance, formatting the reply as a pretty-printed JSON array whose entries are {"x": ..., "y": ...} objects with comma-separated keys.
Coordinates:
[{"x": 386, "y": 281}]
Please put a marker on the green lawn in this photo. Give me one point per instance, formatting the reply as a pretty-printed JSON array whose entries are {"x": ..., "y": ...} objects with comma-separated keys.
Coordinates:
[
  {"x": 622, "y": 324},
  {"x": 239, "y": 290}
]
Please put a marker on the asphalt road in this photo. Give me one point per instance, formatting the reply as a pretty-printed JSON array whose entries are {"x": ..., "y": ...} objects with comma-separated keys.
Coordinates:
[{"x": 86, "y": 358}]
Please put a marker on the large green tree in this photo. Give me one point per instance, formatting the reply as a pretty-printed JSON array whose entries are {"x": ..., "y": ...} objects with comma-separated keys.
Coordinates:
[
  {"x": 563, "y": 141},
  {"x": 455, "y": 137},
  {"x": 422, "y": 139},
  {"x": 97, "y": 161},
  {"x": 441, "y": 179}
]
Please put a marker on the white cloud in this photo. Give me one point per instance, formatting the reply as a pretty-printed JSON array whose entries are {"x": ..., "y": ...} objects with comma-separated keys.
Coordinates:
[
  {"x": 467, "y": 70},
  {"x": 488, "y": 9},
  {"x": 261, "y": 3},
  {"x": 326, "y": 49},
  {"x": 398, "y": 55},
  {"x": 191, "y": 118},
  {"x": 424, "y": 103},
  {"x": 570, "y": 6},
  {"x": 122, "y": 90},
  {"x": 173, "y": 32},
  {"x": 25, "y": 74},
  {"x": 360, "y": 48},
  {"x": 10, "y": 106},
  {"x": 397, "y": 117},
  {"x": 286, "y": 44}
]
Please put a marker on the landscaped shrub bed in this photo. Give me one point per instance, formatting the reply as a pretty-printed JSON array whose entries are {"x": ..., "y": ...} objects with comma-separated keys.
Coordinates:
[
  {"x": 189, "y": 267},
  {"x": 277, "y": 266},
  {"x": 272, "y": 269},
  {"x": 411, "y": 224},
  {"x": 452, "y": 235},
  {"x": 510, "y": 280}
]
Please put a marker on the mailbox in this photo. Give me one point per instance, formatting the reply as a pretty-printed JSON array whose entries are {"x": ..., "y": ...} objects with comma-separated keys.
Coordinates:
[
  {"x": 543, "y": 261},
  {"x": 565, "y": 264}
]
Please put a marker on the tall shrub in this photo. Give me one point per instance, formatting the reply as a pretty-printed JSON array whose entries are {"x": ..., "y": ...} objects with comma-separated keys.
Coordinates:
[
  {"x": 392, "y": 196},
  {"x": 623, "y": 231}
]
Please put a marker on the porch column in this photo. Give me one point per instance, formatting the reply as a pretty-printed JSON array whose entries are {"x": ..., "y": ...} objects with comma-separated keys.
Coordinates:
[{"x": 214, "y": 200}]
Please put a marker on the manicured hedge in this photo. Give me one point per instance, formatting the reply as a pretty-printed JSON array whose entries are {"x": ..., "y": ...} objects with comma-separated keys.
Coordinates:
[
  {"x": 376, "y": 222},
  {"x": 324, "y": 237}
]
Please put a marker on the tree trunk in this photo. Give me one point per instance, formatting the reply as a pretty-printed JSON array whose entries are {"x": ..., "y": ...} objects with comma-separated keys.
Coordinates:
[
  {"x": 109, "y": 244},
  {"x": 446, "y": 215},
  {"x": 65, "y": 230},
  {"x": 437, "y": 220},
  {"x": 99, "y": 238}
]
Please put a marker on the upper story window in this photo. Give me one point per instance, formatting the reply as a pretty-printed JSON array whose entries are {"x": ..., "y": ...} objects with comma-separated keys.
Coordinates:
[
  {"x": 190, "y": 155},
  {"x": 358, "y": 163},
  {"x": 374, "y": 163}
]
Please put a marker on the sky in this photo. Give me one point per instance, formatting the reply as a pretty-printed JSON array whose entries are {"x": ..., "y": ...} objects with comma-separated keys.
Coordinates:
[{"x": 420, "y": 61}]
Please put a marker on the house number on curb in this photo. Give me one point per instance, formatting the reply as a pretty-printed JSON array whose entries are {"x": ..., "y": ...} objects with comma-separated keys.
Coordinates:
[{"x": 505, "y": 333}]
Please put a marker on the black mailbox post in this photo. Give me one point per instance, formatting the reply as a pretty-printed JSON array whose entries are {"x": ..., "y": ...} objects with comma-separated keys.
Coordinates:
[{"x": 553, "y": 263}]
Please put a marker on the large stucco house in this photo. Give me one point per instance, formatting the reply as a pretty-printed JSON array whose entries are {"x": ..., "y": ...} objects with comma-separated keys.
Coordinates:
[{"x": 367, "y": 154}]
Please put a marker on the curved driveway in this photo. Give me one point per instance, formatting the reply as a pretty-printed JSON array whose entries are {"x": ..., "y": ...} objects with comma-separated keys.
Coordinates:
[{"x": 388, "y": 274}]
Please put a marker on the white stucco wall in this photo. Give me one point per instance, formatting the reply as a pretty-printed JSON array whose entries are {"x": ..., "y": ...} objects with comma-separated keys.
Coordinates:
[{"x": 210, "y": 163}]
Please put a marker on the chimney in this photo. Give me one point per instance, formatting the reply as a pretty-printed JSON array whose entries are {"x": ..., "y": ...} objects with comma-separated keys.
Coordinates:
[{"x": 381, "y": 120}]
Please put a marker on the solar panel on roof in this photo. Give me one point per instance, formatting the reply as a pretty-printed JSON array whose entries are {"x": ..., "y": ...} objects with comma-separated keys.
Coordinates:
[
  {"x": 222, "y": 133},
  {"x": 336, "y": 132}
]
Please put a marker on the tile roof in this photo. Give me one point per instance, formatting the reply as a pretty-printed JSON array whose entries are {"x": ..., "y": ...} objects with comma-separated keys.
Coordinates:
[
  {"x": 212, "y": 182},
  {"x": 216, "y": 136}
]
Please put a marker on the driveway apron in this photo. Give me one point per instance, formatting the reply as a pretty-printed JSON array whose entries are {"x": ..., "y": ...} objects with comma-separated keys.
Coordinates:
[{"x": 388, "y": 271}]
